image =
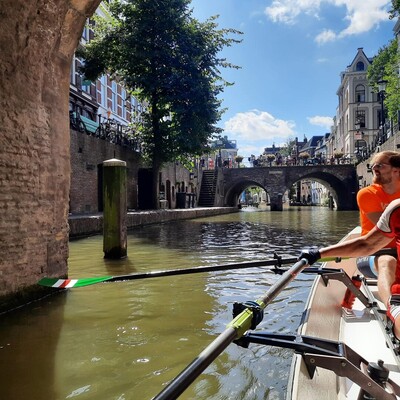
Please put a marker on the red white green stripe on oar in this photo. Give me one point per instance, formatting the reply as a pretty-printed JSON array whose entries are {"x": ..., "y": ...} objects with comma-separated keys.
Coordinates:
[{"x": 70, "y": 283}]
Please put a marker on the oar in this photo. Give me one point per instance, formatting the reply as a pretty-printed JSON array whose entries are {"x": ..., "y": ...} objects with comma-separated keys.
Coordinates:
[
  {"x": 81, "y": 282},
  {"x": 68, "y": 283},
  {"x": 234, "y": 330}
]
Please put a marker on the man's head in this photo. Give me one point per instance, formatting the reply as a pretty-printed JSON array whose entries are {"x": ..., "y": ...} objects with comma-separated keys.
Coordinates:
[{"x": 386, "y": 167}]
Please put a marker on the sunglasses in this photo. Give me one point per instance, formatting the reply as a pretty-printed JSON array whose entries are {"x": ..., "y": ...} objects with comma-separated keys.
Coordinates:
[{"x": 378, "y": 165}]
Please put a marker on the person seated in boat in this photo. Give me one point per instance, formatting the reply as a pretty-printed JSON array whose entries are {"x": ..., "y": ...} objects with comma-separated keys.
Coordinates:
[
  {"x": 372, "y": 200},
  {"x": 386, "y": 229}
]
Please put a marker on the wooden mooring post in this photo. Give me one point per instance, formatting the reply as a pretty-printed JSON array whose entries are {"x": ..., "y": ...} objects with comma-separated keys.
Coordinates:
[{"x": 114, "y": 213}]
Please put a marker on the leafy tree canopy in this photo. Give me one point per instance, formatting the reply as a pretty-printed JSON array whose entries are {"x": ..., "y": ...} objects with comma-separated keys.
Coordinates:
[
  {"x": 395, "y": 10},
  {"x": 169, "y": 61},
  {"x": 385, "y": 66}
]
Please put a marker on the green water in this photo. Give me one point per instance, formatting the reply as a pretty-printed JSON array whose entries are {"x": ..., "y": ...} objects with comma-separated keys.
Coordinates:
[{"x": 126, "y": 340}]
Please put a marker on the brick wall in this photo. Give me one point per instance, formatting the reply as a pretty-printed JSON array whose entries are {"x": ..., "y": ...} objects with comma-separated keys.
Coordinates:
[
  {"x": 87, "y": 156},
  {"x": 37, "y": 40}
]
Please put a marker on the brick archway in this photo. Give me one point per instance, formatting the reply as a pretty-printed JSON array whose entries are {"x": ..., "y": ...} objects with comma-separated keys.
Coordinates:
[
  {"x": 37, "y": 42},
  {"x": 342, "y": 180}
]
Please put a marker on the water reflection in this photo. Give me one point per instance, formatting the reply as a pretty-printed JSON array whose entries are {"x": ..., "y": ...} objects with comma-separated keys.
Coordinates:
[{"x": 127, "y": 340}]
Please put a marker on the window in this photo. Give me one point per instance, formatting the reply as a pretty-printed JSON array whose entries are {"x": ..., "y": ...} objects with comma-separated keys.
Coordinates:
[
  {"x": 360, "y": 66},
  {"x": 124, "y": 99},
  {"x": 360, "y": 94},
  {"x": 72, "y": 72},
  {"x": 380, "y": 119},
  {"x": 114, "y": 97},
  {"x": 85, "y": 33},
  {"x": 360, "y": 117},
  {"x": 103, "y": 91}
]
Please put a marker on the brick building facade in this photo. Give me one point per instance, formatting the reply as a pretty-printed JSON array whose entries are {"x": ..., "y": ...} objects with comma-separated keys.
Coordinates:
[{"x": 87, "y": 155}]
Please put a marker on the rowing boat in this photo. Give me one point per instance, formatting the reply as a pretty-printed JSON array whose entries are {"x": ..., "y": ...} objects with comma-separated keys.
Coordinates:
[{"x": 361, "y": 329}]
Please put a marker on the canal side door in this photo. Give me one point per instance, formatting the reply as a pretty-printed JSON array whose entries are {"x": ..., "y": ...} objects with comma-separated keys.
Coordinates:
[{"x": 144, "y": 188}]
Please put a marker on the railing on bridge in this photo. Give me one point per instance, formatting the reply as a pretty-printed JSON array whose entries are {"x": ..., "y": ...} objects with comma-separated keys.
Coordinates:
[{"x": 342, "y": 159}]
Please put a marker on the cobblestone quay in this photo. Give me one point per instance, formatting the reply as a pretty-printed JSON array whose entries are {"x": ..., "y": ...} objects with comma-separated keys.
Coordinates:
[{"x": 87, "y": 225}]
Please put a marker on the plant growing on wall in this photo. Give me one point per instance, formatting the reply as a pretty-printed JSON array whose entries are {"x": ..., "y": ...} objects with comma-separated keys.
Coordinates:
[{"x": 170, "y": 62}]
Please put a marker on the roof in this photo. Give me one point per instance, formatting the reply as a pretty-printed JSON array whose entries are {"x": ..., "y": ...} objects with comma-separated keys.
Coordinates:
[{"x": 312, "y": 143}]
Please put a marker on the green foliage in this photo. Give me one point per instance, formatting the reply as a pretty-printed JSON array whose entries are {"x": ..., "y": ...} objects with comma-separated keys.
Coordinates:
[
  {"x": 395, "y": 10},
  {"x": 288, "y": 147},
  {"x": 386, "y": 66},
  {"x": 169, "y": 61}
]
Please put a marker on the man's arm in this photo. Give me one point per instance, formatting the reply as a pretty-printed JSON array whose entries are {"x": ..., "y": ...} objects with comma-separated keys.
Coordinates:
[{"x": 361, "y": 246}]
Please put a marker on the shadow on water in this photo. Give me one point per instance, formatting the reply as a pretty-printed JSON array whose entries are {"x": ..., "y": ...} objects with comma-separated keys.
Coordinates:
[
  {"x": 126, "y": 340},
  {"x": 28, "y": 343}
]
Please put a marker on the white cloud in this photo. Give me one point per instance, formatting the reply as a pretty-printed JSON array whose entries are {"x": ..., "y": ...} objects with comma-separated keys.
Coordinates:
[
  {"x": 326, "y": 36},
  {"x": 256, "y": 125},
  {"x": 287, "y": 11},
  {"x": 325, "y": 122},
  {"x": 362, "y": 15},
  {"x": 254, "y": 130}
]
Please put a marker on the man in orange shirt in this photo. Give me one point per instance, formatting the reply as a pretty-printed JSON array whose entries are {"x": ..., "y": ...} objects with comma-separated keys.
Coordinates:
[
  {"x": 372, "y": 201},
  {"x": 386, "y": 229}
]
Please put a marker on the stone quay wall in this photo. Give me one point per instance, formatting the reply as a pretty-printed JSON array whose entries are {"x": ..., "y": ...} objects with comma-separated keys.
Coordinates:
[{"x": 87, "y": 225}]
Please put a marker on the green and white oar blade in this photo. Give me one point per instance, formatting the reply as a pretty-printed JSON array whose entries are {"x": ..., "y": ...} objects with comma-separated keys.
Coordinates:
[{"x": 69, "y": 283}]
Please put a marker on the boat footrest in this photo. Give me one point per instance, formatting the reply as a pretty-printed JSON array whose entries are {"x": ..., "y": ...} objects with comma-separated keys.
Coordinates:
[{"x": 331, "y": 355}]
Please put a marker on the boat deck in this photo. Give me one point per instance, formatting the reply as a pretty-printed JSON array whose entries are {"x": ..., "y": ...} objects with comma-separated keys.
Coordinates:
[{"x": 361, "y": 331}]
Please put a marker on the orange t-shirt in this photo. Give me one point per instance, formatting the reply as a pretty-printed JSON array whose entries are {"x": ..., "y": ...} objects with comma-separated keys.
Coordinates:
[{"x": 373, "y": 199}]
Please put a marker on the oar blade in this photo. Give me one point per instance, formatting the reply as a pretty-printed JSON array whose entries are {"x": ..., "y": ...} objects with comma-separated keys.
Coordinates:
[{"x": 69, "y": 283}]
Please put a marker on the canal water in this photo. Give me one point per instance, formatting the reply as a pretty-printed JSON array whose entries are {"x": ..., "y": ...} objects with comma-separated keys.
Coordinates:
[{"x": 126, "y": 340}]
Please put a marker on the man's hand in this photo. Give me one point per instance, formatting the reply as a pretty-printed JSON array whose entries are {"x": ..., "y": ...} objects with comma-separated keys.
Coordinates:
[{"x": 311, "y": 255}]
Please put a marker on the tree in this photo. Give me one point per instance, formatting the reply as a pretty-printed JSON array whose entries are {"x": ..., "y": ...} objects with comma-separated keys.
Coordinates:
[
  {"x": 169, "y": 60},
  {"x": 395, "y": 10},
  {"x": 385, "y": 66}
]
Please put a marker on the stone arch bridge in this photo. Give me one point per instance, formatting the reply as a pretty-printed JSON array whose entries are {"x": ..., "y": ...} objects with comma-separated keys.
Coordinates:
[{"x": 341, "y": 181}]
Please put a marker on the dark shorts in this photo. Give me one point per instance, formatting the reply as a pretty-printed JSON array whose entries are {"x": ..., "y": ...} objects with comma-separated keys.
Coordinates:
[{"x": 366, "y": 265}]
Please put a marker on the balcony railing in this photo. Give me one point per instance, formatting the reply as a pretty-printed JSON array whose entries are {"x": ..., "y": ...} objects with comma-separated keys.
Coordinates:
[{"x": 106, "y": 129}]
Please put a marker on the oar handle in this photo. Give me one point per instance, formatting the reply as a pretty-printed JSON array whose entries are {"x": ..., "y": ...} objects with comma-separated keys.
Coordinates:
[{"x": 233, "y": 331}]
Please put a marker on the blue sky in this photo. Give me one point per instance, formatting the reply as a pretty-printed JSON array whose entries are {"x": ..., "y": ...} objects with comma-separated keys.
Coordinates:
[{"x": 291, "y": 57}]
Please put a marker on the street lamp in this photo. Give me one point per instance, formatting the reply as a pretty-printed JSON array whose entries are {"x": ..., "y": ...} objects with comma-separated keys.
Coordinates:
[
  {"x": 359, "y": 140},
  {"x": 381, "y": 95}
]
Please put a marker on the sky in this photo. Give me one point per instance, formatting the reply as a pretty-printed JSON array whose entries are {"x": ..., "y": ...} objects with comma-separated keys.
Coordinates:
[{"x": 291, "y": 57}]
